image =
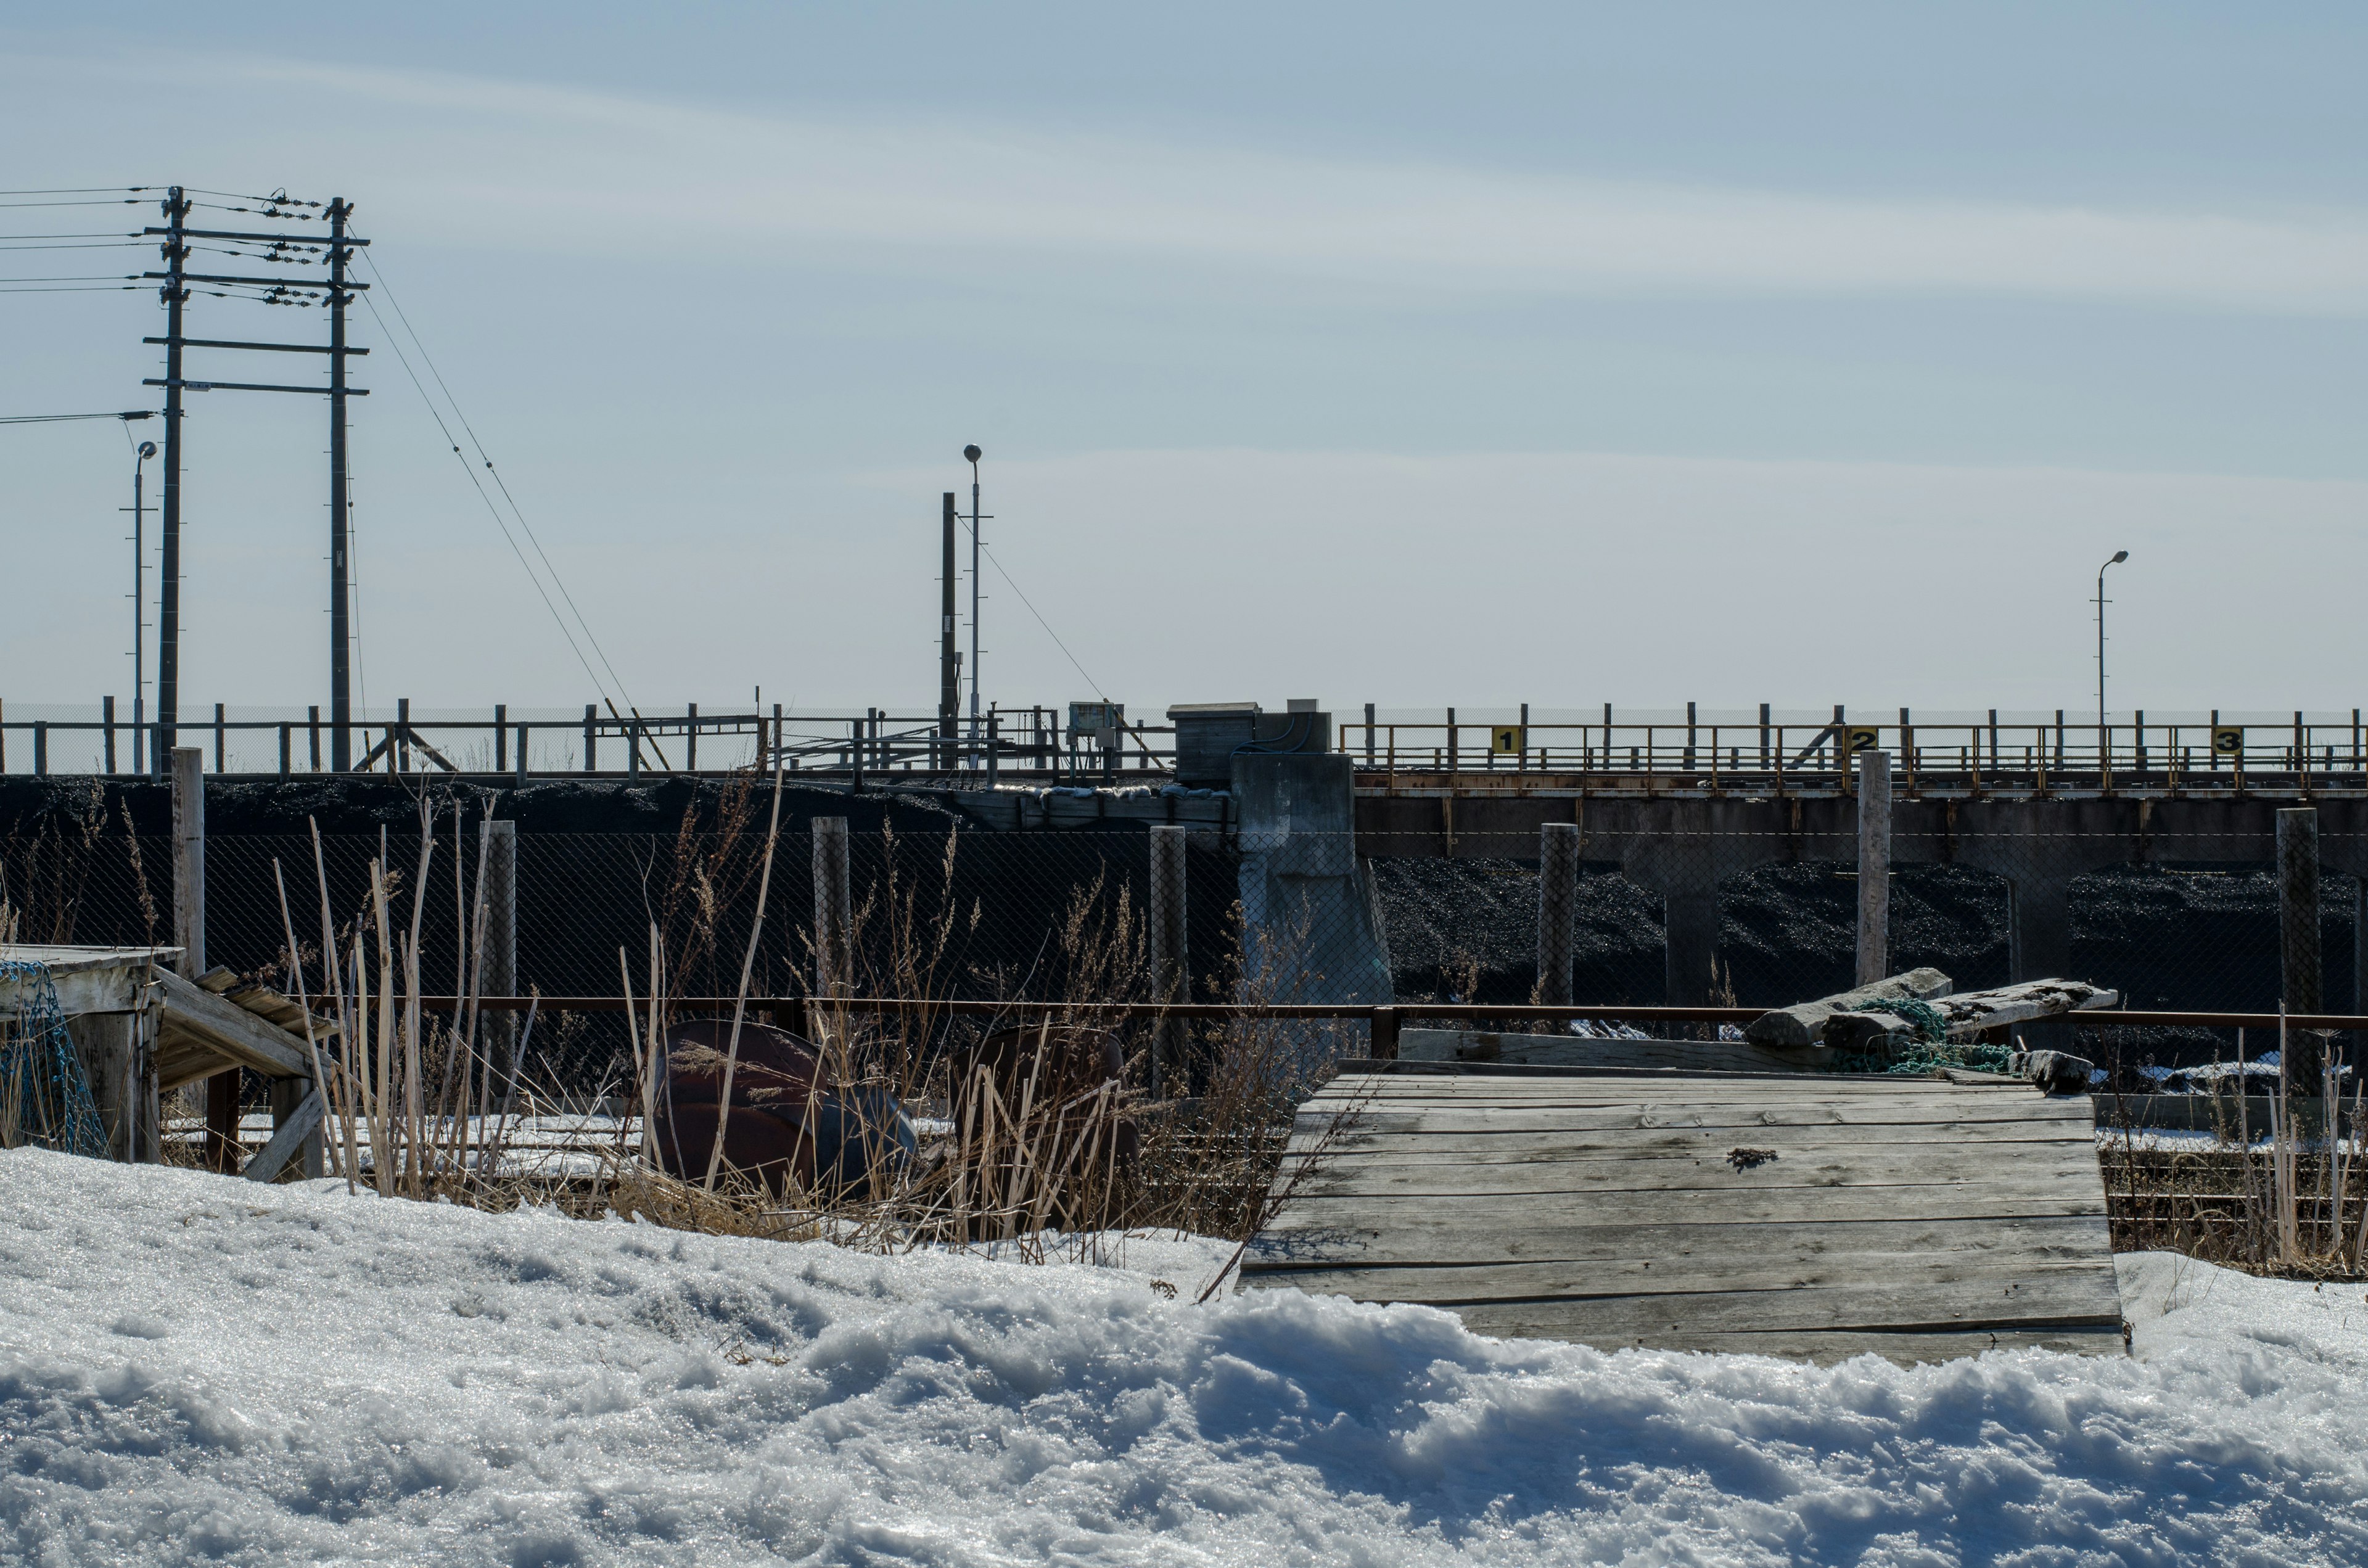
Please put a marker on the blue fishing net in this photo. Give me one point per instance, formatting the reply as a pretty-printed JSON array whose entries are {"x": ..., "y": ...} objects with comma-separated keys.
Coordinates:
[{"x": 44, "y": 1094}]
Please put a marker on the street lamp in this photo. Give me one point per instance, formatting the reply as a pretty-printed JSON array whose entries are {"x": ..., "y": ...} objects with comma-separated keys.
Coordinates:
[
  {"x": 2119, "y": 556},
  {"x": 139, "y": 613},
  {"x": 977, "y": 725}
]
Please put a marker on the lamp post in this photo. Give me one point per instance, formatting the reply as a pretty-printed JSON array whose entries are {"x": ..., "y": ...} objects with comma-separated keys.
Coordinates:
[
  {"x": 2103, "y": 757},
  {"x": 977, "y": 732},
  {"x": 139, "y": 611}
]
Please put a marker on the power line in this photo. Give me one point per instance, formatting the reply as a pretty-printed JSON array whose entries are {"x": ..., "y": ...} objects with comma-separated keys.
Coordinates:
[
  {"x": 77, "y": 277},
  {"x": 61, "y": 418},
  {"x": 1045, "y": 624},
  {"x": 499, "y": 483},
  {"x": 83, "y": 190},
  {"x": 433, "y": 413}
]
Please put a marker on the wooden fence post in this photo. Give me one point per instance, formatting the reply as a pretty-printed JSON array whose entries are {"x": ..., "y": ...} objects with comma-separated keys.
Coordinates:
[
  {"x": 1557, "y": 911},
  {"x": 189, "y": 936},
  {"x": 1873, "y": 864},
  {"x": 1170, "y": 959},
  {"x": 2299, "y": 972},
  {"x": 498, "y": 843},
  {"x": 833, "y": 908}
]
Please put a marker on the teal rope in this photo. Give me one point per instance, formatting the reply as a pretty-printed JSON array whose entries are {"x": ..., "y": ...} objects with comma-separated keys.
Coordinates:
[
  {"x": 1933, "y": 1050},
  {"x": 42, "y": 1072}
]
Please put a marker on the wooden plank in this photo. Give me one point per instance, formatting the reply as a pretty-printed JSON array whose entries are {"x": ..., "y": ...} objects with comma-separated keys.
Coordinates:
[
  {"x": 2066, "y": 1298},
  {"x": 1826, "y": 1349},
  {"x": 1480, "y": 1217},
  {"x": 1678, "y": 1089},
  {"x": 1334, "y": 1232},
  {"x": 1479, "y": 1122},
  {"x": 1815, "y": 1089},
  {"x": 1890, "y": 1164},
  {"x": 1689, "y": 1246},
  {"x": 1465, "y": 1284},
  {"x": 285, "y": 1140},
  {"x": 197, "y": 1015},
  {"x": 1587, "y": 1050},
  {"x": 1800, "y": 1025},
  {"x": 1354, "y": 1146},
  {"x": 185, "y": 1059}
]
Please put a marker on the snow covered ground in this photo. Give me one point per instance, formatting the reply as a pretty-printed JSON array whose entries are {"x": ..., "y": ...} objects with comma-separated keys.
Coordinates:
[{"x": 195, "y": 1369}]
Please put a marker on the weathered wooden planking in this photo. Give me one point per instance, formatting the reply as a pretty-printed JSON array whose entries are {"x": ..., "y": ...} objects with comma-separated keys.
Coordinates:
[
  {"x": 1913, "y": 1218},
  {"x": 1591, "y": 1051},
  {"x": 1865, "y": 1166},
  {"x": 1796, "y": 1261},
  {"x": 1380, "y": 1245},
  {"x": 1352, "y": 1145}
]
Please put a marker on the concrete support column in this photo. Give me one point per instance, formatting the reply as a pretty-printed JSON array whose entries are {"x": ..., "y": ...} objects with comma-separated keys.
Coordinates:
[
  {"x": 2299, "y": 970},
  {"x": 1874, "y": 865},
  {"x": 1557, "y": 911},
  {"x": 1690, "y": 935},
  {"x": 2038, "y": 946}
]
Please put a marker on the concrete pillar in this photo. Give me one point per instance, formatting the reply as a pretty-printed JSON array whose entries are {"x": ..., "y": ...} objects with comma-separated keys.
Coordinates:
[
  {"x": 1874, "y": 865},
  {"x": 1690, "y": 937},
  {"x": 2299, "y": 975},
  {"x": 1557, "y": 911},
  {"x": 833, "y": 908},
  {"x": 1170, "y": 957}
]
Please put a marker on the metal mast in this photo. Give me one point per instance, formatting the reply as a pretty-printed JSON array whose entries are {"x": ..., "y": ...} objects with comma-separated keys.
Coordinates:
[{"x": 977, "y": 723}]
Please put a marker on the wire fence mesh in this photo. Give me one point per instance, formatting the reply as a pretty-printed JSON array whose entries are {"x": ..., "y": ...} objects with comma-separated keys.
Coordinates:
[{"x": 1037, "y": 914}]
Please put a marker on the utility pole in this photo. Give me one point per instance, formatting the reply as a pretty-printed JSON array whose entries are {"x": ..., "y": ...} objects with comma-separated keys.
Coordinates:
[
  {"x": 977, "y": 725},
  {"x": 339, "y": 292},
  {"x": 341, "y": 688},
  {"x": 175, "y": 293},
  {"x": 949, "y": 661}
]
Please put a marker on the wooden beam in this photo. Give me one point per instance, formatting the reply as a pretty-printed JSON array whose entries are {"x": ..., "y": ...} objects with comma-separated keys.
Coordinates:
[
  {"x": 272, "y": 1156},
  {"x": 198, "y": 1016}
]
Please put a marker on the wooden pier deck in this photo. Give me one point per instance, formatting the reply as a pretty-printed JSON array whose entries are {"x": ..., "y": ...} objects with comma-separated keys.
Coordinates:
[{"x": 1812, "y": 1217}]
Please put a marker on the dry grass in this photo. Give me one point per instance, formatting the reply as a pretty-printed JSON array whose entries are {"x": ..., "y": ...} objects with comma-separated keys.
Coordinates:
[
  {"x": 426, "y": 1105},
  {"x": 2280, "y": 1193}
]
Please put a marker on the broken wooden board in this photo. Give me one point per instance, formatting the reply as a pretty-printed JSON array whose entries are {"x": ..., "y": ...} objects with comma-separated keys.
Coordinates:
[
  {"x": 1818, "y": 1217},
  {"x": 1968, "y": 1015},
  {"x": 1589, "y": 1050},
  {"x": 1804, "y": 1023}
]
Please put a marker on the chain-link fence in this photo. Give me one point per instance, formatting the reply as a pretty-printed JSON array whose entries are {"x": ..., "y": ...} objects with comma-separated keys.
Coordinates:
[{"x": 1068, "y": 913}]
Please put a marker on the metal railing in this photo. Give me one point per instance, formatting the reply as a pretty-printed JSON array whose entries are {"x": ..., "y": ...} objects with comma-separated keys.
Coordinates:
[
  {"x": 1030, "y": 742},
  {"x": 2023, "y": 754},
  {"x": 1959, "y": 755}
]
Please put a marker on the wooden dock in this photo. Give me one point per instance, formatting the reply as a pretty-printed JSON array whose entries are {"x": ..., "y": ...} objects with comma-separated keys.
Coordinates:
[{"x": 1814, "y": 1217}]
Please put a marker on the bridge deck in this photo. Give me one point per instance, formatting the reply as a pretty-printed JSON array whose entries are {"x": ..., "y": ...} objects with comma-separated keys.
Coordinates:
[{"x": 1818, "y": 1219}]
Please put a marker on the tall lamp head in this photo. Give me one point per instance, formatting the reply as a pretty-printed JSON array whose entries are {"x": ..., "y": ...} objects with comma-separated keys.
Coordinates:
[
  {"x": 971, "y": 454},
  {"x": 2119, "y": 556},
  {"x": 147, "y": 448}
]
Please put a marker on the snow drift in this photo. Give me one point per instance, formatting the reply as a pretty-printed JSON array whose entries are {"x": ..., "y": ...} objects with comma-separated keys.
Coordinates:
[{"x": 195, "y": 1368}]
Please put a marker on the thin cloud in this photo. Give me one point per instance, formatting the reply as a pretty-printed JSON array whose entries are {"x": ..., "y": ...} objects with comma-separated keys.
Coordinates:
[{"x": 536, "y": 165}]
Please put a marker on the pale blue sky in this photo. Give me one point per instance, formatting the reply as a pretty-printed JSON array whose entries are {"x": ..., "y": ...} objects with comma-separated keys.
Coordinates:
[{"x": 1468, "y": 354}]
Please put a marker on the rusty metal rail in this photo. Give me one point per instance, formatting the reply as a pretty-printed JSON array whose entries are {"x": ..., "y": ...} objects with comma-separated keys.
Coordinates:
[{"x": 1383, "y": 1020}]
